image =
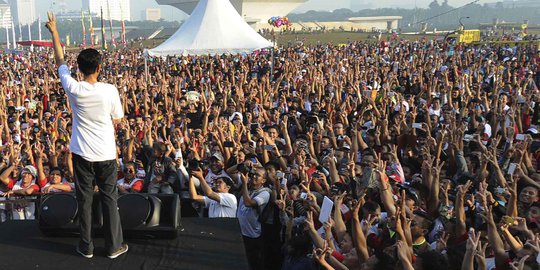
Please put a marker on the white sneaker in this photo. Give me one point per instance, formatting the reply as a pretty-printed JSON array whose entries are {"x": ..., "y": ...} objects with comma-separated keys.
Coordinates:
[{"x": 123, "y": 249}]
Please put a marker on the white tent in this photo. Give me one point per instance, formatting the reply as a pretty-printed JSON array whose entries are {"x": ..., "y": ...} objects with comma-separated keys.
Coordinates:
[{"x": 214, "y": 27}]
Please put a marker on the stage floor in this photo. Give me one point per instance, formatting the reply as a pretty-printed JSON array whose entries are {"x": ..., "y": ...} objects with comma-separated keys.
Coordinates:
[{"x": 203, "y": 244}]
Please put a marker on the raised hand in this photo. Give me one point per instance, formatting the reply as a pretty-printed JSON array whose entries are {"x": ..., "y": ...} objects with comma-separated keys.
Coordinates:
[
  {"x": 51, "y": 24},
  {"x": 473, "y": 241}
]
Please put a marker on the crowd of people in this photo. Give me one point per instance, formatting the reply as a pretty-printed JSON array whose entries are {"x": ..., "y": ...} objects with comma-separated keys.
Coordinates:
[{"x": 400, "y": 155}]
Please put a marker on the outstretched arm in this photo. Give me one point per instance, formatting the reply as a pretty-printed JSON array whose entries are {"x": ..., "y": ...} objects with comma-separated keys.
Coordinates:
[{"x": 57, "y": 46}]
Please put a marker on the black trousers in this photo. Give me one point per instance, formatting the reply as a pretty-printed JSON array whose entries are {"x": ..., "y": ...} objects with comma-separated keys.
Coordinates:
[
  {"x": 272, "y": 245},
  {"x": 254, "y": 252},
  {"x": 104, "y": 175}
]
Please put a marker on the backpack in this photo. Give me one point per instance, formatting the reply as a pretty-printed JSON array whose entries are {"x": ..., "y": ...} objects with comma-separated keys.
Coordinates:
[{"x": 268, "y": 208}]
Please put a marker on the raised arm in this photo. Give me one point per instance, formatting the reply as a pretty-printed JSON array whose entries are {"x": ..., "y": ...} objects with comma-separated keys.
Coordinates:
[
  {"x": 207, "y": 190},
  {"x": 57, "y": 46}
]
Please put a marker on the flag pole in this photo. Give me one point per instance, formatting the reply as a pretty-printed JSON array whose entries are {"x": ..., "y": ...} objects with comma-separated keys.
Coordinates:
[{"x": 103, "y": 40}]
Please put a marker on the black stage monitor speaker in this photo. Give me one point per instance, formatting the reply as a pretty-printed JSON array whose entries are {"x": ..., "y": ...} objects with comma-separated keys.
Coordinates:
[
  {"x": 150, "y": 215},
  {"x": 139, "y": 210},
  {"x": 57, "y": 213},
  {"x": 141, "y": 215}
]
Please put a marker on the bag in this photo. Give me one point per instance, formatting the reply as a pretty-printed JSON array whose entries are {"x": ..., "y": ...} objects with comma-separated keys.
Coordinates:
[{"x": 268, "y": 208}]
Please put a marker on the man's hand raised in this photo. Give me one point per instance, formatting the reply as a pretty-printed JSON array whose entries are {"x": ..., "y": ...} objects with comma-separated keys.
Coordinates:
[
  {"x": 51, "y": 24},
  {"x": 57, "y": 46}
]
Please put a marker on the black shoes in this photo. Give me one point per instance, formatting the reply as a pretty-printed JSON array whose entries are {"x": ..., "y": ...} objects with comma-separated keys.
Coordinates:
[{"x": 86, "y": 255}]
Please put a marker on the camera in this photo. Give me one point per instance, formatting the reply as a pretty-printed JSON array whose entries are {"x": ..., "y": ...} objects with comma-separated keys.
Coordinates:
[
  {"x": 253, "y": 128},
  {"x": 242, "y": 168},
  {"x": 193, "y": 165}
]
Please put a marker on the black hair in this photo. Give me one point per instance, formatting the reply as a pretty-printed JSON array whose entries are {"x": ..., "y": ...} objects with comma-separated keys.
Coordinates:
[
  {"x": 57, "y": 169},
  {"x": 88, "y": 61},
  {"x": 130, "y": 163},
  {"x": 386, "y": 261},
  {"x": 299, "y": 245},
  {"x": 160, "y": 147},
  {"x": 271, "y": 164},
  {"x": 434, "y": 260},
  {"x": 371, "y": 206},
  {"x": 427, "y": 223}
]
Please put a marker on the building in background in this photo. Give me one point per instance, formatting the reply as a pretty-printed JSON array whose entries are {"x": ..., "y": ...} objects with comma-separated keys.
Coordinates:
[
  {"x": 254, "y": 12},
  {"x": 151, "y": 14},
  {"x": 514, "y": 4},
  {"x": 74, "y": 15},
  {"x": 5, "y": 15},
  {"x": 376, "y": 23},
  {"x": 119, "y": 9},
  {"x": 23, "y": 11}
]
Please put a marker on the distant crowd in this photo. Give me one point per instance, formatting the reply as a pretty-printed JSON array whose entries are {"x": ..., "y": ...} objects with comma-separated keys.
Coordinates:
[{"x": 388, "y": 155}]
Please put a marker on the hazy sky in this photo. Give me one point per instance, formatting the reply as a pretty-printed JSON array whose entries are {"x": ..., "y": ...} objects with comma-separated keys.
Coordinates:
[{"x": 174, "y": 14}]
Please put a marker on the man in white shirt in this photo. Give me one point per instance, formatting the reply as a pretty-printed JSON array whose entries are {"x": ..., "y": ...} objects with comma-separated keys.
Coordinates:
[
  {"x": 95, "y": 106},
  {"x": 219, "y": 201}
]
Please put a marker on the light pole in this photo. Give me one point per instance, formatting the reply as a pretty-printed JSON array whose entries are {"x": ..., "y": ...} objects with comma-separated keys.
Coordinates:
[{"x": 461, "y": 24}]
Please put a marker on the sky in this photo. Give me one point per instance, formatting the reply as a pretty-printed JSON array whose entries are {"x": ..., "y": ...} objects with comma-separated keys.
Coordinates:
[{"x": 174, "y": 14}]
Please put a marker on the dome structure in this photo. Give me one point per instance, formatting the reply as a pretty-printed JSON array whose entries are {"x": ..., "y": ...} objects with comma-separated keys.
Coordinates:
[{"x": 255, "y": 12}]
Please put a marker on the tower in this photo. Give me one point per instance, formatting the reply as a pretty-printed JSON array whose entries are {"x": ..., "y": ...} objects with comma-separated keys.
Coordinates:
[
  {"x": 23, "y": 11},
  {"x": 118, "y": 8}
]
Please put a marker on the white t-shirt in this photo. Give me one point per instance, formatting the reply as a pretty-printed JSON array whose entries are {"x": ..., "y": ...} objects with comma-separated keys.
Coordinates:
[
  {"x": 54, "y": 189},
  {"x": 226, "y": 207},
  {"x": 94, "y": 106},
  {"x": 22, "y": 211}
]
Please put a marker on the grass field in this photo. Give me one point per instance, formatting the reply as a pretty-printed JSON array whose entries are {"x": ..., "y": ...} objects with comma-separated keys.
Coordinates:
[
  {"x": 329, "y": 37},
  {"x": 338, "y": 37},
  {"x": 314, "y": 38}
]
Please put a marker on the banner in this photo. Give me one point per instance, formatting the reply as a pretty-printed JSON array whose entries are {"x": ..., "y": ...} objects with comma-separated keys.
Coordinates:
[
  {"x": 469, "y": 36},
  {"x": 83, "y": 30},
  {"x": 91, "y": 30}
]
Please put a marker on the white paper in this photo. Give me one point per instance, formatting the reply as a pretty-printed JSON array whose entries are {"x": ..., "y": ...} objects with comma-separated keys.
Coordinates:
[
  {"x": 326, "y": 210},
  {"x": 512, "y": 168},
  {"x": 344, "y": 209}
]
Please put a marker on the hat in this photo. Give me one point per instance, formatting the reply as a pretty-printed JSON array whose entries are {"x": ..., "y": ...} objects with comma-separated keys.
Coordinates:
[
  {"x": 236, "y": 114},
  {"x": 217, "y": 156},
  {"x": 30, "y": 169},
  {"x": 532, "y": 130},
  {"x": 228, "y": 181}
]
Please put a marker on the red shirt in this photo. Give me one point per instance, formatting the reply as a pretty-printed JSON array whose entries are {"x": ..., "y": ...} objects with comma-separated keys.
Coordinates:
[{"x": 34, "y": 187}]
